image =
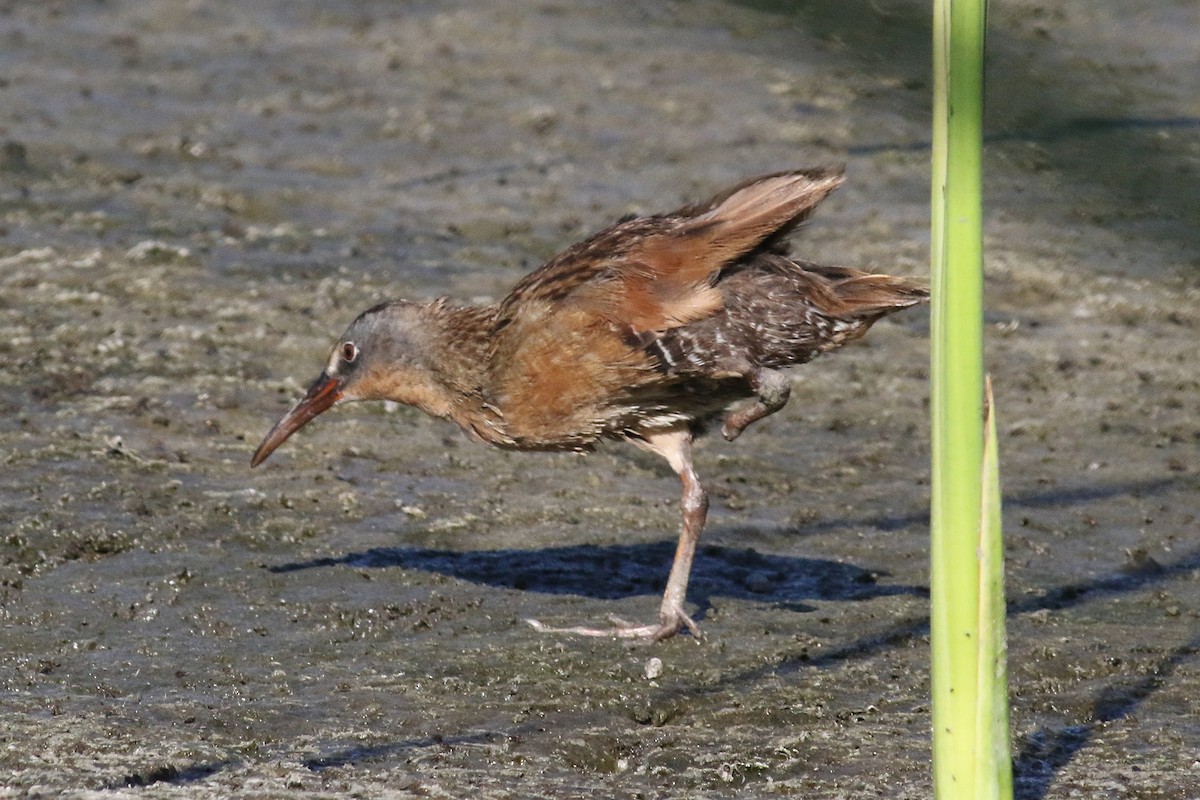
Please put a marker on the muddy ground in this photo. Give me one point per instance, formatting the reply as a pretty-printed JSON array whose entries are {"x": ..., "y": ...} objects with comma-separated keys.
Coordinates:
[{"x": 196, "y": 197}]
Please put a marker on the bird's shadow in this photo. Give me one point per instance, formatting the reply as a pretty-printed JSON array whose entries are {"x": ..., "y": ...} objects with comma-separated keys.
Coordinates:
[{"x": 612, "y": 572}]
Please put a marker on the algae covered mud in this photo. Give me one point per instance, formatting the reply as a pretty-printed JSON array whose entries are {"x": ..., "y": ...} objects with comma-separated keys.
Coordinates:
[{"x": 196, "y": 197}]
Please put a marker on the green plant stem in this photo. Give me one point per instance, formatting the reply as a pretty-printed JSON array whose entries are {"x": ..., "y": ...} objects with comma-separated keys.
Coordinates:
[{"x": 964, "y": 654}]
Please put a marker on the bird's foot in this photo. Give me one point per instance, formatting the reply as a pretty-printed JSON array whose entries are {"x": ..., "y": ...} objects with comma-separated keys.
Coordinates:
[
  {"x": 773, "y": 390},
  {"x": 670, "y": 622},
  {"x": 733, "y": 427},
  {"x": 739, "y": 419}
]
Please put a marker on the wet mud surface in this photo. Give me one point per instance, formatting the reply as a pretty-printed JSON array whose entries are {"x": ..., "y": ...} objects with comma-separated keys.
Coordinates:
[{"x": 196, "y": 197}]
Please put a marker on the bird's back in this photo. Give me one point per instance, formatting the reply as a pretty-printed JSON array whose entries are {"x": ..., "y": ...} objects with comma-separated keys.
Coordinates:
[{"x": 659, "y": 320}]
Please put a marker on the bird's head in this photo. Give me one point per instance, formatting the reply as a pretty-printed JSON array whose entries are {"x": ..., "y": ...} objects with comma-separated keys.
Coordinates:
[{"x": 380, "y": 356}]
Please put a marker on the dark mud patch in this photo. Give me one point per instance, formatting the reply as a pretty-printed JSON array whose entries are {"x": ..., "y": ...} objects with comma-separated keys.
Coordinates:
[{"x": 616, "y": 571}]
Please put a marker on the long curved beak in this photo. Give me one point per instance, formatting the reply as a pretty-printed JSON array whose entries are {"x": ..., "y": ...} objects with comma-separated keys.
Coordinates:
[{"x": 324, "y": 392}]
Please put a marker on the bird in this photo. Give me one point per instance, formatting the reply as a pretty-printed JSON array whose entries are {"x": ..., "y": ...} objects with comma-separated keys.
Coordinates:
[{"x": 650, "y": 331}]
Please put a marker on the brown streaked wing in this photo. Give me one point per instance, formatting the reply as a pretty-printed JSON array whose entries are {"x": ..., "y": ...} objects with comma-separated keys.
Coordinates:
[
  {"x": 581, "y": 263},
  {"x": 657, "y": 273}
]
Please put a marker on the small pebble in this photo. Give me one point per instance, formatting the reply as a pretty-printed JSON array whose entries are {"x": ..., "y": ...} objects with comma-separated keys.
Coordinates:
[{"x": 654, "y": 668}]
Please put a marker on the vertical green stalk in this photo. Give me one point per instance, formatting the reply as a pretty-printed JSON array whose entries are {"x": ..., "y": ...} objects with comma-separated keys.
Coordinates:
[
  {"x": 967, "y": 571},
  {"x": 993, "y": 773}
]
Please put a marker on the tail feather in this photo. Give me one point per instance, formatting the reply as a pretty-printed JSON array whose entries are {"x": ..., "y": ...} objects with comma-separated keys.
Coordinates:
[
  {"x": 853, "y": 293},
  {"x": 871, "y": 294}
]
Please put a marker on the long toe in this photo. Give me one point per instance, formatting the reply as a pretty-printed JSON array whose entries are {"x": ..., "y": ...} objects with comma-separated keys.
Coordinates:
[{"x": 671, "y": 622}]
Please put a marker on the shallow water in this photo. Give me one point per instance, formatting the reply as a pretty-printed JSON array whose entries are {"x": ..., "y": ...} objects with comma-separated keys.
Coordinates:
[{"x": 196, "y": 198}]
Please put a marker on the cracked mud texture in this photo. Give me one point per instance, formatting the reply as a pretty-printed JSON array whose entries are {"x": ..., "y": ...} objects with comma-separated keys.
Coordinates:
[{"x": 195, "y": 198}]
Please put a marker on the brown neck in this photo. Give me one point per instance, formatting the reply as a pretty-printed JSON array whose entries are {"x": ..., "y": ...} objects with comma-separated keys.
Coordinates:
[
  {"x": 459, "y": 341},
  {"x": 460, "y": 349}
]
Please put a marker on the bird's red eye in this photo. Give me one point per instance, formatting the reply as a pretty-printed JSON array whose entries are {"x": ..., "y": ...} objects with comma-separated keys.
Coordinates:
[{"x": 349, "y": 352}]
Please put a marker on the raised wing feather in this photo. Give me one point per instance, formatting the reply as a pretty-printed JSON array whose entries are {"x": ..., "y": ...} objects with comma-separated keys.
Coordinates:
[{"x": 660, "y": 272}]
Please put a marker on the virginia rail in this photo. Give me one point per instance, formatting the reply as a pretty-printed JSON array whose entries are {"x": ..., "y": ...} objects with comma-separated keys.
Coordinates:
[{"x": 646, "y": 332}]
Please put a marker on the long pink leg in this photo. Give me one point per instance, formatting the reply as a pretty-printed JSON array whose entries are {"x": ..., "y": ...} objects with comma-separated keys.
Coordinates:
[{"x": 675, "y": 446}]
